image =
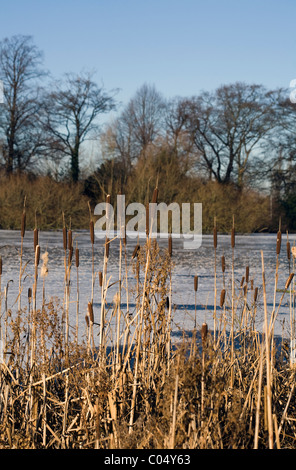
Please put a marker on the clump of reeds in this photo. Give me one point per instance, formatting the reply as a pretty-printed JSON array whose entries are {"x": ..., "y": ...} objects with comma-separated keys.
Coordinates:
[{"x": 131, "y": 386}]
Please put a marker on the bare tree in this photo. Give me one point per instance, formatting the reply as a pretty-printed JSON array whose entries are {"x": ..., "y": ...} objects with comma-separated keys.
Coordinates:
[
  {"x": 72, "y": 109},
  {"x": 144, "y": 113},
  {"x": 138, "y": 126},
  {"x": 229, "y": 125},
  {"x": 20, "y": 71},
  {"x": 178, "y": 137}
]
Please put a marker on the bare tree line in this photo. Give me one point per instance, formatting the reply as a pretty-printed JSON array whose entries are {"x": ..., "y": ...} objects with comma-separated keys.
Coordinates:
[{"x": 240, "y": 133}]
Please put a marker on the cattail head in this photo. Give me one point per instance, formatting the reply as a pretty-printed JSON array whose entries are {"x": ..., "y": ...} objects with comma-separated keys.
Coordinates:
[
  {"x": 288, "y": 250},
  {"x": 215, "y": 238},
  {"x": 77, "y": 257},
  {"x": 195, "y": 283},
  {"x": 242, "y": 281},
  {"x": 255, "y": 294},
  {"x": 65, "y": 238},
  {"x": 223, "y": 263},
  {"x": 37, "y": 255},
  {"x": 167, "y": 302},
  {"x": 29, "y": 294},
  {"x": 293, "y": 250},
  {"x": 90, "y": 312},
  {"x": 70, "y": 240},
  {"x": 136, "y": 251},
  {"x": 233, "y": 237},
  {"x": 222, "y": 297},
  {"x": 23, "y": 226},
  {"x": 91, "y": 232},
  {"x": 247, "y": 274},
  {"x": 87, "y": 320},
  {"x": 278, "y": 242},
  {"x": 155, "y": 196},
  {"x": 36, "y": 236},
  {"x": 170, "y": 246},
  {"x": 289, "y": 280},
  {"x": 204, "y": 333},
  {"x": 100, "y": 278}
]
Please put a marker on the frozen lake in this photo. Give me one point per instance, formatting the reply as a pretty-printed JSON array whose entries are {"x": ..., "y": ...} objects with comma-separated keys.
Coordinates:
[{"x": 187, "y": 264}]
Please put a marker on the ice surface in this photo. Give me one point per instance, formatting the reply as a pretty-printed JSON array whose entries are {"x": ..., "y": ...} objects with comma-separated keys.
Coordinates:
[{"x": 187, "y": 264}]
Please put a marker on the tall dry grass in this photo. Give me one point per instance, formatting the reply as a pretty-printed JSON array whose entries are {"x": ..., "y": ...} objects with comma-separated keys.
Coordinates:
[
  {"x": 126, "y": 383},
  {"x": 46, "y": 201}
]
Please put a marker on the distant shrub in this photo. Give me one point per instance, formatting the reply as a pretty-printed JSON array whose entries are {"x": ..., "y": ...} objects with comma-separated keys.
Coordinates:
[{"x": 46, "y": 198}]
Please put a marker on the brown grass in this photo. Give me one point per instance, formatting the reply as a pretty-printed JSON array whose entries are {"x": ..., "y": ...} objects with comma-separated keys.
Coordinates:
[
  {"x": 125, "y": 384},
  {"x": 46, "y": 201}
]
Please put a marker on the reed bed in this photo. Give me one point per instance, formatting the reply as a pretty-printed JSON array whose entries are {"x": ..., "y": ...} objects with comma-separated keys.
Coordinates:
[{"x": 123, "y": 383}]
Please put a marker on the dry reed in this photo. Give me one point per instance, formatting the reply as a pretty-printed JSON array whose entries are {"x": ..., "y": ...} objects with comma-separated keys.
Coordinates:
[{"x": 228, "y": 388}]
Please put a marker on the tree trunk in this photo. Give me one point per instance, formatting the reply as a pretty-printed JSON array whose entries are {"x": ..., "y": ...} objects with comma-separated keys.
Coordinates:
[
  {"x": 75, "y": 164},
  {"x": 10, "y": 156}
]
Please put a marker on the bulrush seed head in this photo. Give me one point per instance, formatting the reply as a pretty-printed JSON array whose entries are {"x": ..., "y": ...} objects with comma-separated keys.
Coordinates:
[
  {"x": 136, "y": 251},
  {"x": 36, "y": 237},
  {"x": 195, "y": 283},
  {"x": 155, "y": 196},
  {"x": 65, "y": 238},
  {"x": 204, "y": 333},
  {"x": 278, "y": 242},
  {"x": 232, "y": 237},
  {"x": 170, "y": 246},
  {"x": 247, "y": 274},
  {"x": 70, "y": 241},
  {"x": 288, "y": 250},
  {"x": 90, "y": 312},
  {"x": 222, "y": 297},
  {"x": 215, "y": 238},
  {"x": 91, "y": 232},
  {"x": 289, "y": 280},
  {"x": 23, "y": 226},
  {"x": 37, "y": 255},
  {"x": 255, "y": 294}
]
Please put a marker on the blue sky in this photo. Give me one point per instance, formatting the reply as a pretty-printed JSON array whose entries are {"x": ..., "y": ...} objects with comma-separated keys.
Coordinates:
[{"x": 182, "y": 47}]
